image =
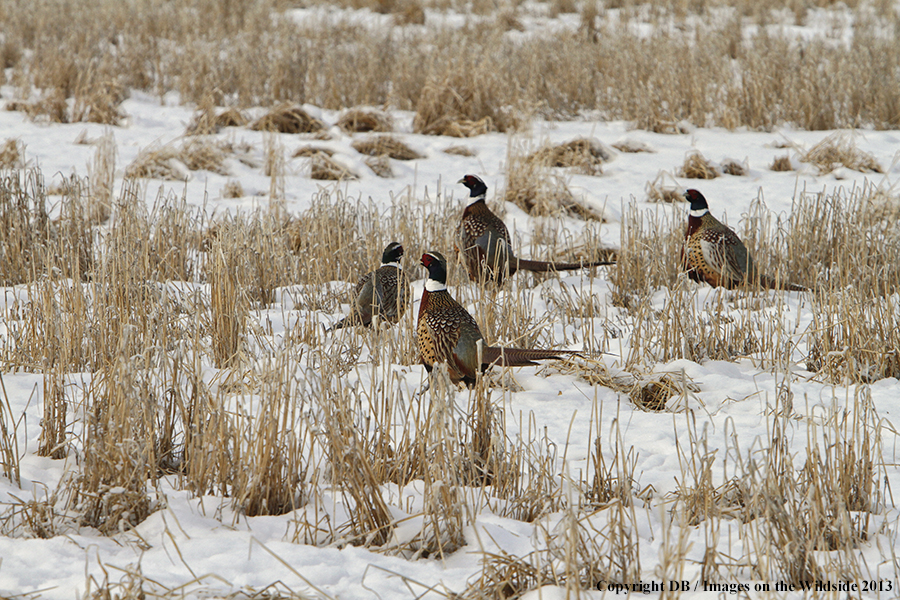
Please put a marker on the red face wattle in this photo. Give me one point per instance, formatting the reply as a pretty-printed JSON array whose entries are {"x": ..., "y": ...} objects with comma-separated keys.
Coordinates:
[{"x": 426, "y": 260}]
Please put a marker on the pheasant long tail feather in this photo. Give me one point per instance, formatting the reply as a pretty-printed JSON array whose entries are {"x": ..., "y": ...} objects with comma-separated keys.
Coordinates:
[
  {"x": 523, "y": 264},
  {"x": 519, "y": 357},
  {"x": 772, "y": 284}
]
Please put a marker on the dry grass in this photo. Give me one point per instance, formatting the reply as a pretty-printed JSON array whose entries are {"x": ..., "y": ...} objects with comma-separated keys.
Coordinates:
[
  {"x": 233, "y": 189},
  {"x": 270, "y": 435},
  {"x": 458, "y": 80},
  {"x": 459, "y": 151},
  {"x": 461, "y": 103},
  {"x": 697, "y": 167},
  {"x": 729, "y": 166},
  {"x": 287, "y": 118},
  {"x": 208, "y": 120},
  {"x": 585, "y": 156},
  {"x": 531, "y": 186},
  {"x": 309, "y": 151},
  {"x": 632, "y": 146},
  {"x": 322, "y": 166},
  {"x": 781, "y": 163},
  {"x": 386, "y": 145},
  {"x": 358, "y": 120},
  {"x": 380, "y": 165},
  {"x": 839, "y": 149},
  {"x": 175, "y": 163},
  {"x": 12, "y": 154},
  {"x": 476, "y": 78}
]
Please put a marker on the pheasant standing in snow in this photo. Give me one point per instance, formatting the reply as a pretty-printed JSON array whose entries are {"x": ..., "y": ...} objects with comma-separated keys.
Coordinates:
[
  {"x": 714, "y": 254},
  {"x": 446, "y": 332},
  {"x": 484, "y": 241},
  {"x": 383, "y": 292}
]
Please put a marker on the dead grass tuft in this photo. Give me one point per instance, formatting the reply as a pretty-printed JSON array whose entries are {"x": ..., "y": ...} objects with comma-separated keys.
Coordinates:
[
  {"x": 658, "y": 192},
  {"x": 322, "y": 166},
  {"x": 730, "y": 166},
  {"x": 462, "y": 104},
  {"x": 410, "y": 12},
  {"x": 12, "y": 154},
  {"x": 459, "y": 151},
  {"x": 208, "y": 120},
  {"x": 531, "y": 187},
  {"x": 99, "y": 102},
  {"x": 381, "y": 166},
  {"x": 697, "y": 167},
  {"x": 233, "y": 189},
  {"x": 585, "y": 156},
  {"x": 632, "y": 146},
  {"x": 307, "y": 151},
  {"x": 782, "y": 163},
  {"x": 357, "y": 120},
  {"x": 652, "y": 394},
  {"x": 386, "y": 145},
  {"x": 839, "y": 149},
  {"x": 288, "y": 118},
  {"x": 175, "y": 163}
]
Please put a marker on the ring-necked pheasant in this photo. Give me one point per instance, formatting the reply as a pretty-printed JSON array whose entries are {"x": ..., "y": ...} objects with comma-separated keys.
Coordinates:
[
  {"x": 383, "y": 292},
  {"x": 484, "y": 241},
  {"x": 714, "y": 253},
  {"x": 446, "y": 332}
]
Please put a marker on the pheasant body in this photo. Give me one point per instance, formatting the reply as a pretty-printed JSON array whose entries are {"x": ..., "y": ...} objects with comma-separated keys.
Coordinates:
[
  {"x": 383, "y": 292},
  {"x": 713, "y": 253},
  {"x": 446, "y": 332},
  {"x": 484, "y": 241}
]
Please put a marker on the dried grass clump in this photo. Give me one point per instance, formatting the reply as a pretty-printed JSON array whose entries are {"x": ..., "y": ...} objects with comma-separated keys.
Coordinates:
[
  {"x": 387, "y": 145},
  {"x": 463, "y": 104},
  {"x": 657, "y": 192},
  {"x": 288, "y": 118},
  {"x": 358, "y": 120},
  {"x": 632, "y": 146},
  {"x": 411, "y": 12},
  {"x": 839, "y": 149},
  {"x": 322, "y": 166},
  {"x": 204, "y": 155},
  {"x": 586, "y": 156},
  {"x": 507, "y": 20},
  {"x": 697, "y": 167},
  {"x": 99, "y": 102},
  {"x": 381, "y": 166},
  {"x": 51, "y": 107},
  {"x": 12, "y": 154},
  {"x": 653, "y": 393},
  {"x": 207, "y": 121},
  {"x": 782, "y": 163},
  {"x": 530, "y": 187},
  {"x": 233, "y": 189},
  {"x": 307, "y": 151},
  {"x": 730, "y": 166},
  {"x": 459, "y": 151},
  {"x": 175, "y": 164}
]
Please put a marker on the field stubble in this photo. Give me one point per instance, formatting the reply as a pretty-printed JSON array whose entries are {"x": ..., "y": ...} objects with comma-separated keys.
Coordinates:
[{"x": 124, "y": 323}]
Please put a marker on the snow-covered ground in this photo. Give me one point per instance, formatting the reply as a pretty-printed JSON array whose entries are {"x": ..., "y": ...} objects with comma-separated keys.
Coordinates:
[{"x": 202, "y": 545}]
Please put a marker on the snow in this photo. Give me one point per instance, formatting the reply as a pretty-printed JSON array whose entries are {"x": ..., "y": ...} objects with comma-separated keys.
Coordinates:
[{"x": 199, "y": 545}]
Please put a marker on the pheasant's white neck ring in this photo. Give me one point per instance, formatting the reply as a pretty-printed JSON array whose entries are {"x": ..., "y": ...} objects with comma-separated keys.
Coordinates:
[
  {"x": 432, "y": 285},
  {"x": 699, "y": 212},
  {"x": 391, "y": 264},
  {"x": 474, "y": 199}
]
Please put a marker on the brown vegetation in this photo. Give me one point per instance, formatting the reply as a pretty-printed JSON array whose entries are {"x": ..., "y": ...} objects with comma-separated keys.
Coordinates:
[{"x": 386, "y": 145}]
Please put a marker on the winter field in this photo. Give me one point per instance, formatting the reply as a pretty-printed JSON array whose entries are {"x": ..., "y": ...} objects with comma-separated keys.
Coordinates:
[{"x": 190, "y": 191}]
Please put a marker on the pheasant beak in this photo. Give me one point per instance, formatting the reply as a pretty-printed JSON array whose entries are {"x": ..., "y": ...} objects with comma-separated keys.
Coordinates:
[{"x": 463, "y": 180}]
